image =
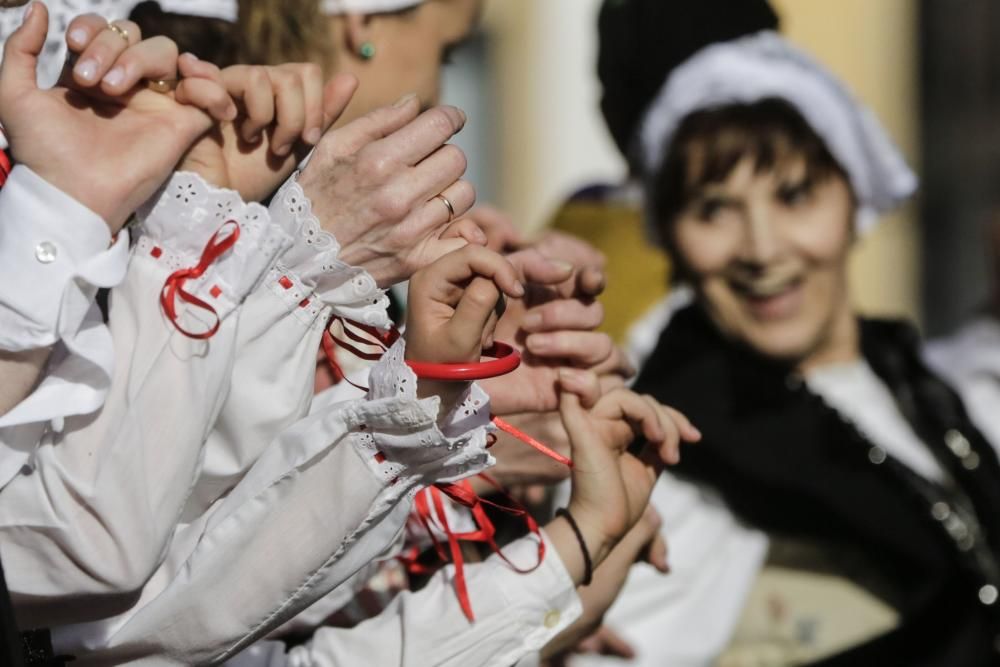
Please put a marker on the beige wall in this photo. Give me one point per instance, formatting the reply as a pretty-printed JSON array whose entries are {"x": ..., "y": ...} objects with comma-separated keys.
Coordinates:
[{"x": 553, "y": 139}]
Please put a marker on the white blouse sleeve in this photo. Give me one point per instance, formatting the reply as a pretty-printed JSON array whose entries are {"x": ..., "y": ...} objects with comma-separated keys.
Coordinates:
[
  {"x": 281, "y": 324},
  {"x": 54, "y": 255},
  {"x": 516, "y": 614},
  {"x": 86, "y": 523},
  {"x": 327, "y": 497}
]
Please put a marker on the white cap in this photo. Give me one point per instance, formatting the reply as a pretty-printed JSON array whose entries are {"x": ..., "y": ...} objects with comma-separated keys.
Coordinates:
[
  {"x": 365, "y": 6},
  {"x": 227, "y": 10},
  {"x": 763, "y": 66}
]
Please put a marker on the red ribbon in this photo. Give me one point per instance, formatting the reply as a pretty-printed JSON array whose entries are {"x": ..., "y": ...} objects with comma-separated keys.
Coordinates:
[
  {"x": 174, "y": 286},
  {"x": 485, "y": 532},
  {"x": 5, "y": 168}
]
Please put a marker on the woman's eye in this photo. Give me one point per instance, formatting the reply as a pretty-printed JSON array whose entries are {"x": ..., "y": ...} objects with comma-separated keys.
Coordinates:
[
  {"x": 708, "y": 209},
  {"x": 792, "y": 195}
]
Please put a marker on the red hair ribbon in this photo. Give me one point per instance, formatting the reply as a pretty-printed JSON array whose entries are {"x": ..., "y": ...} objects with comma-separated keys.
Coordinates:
[
  {"x": 173, "y": 288},
  {"x": 5, "y": 168}
]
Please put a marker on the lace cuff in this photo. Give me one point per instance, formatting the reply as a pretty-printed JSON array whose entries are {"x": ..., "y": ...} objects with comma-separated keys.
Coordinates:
[
  {"x": 399, "y": 437},
  {"x": 311, "y": 266},
  {"x": 176, "y": 225}
]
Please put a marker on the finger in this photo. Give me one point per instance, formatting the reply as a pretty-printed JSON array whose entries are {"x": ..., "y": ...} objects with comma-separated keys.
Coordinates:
[
  {"x": 474, "y": 310},
  {"x": 290, "y": 113},
  {"x": 370, "y": 128},
  {"x": 442, "y": 168},
  {"x": 563, "y": 314},
  {"x": 583, "y": 348},
  {"x": 337, "y": 94},
  {"x": 538, "y": 269},
  {"x": 630, "y": 407},
  {"x": 18, "y": 73},
  {"x": 617, "y": 363},
  {"x": 591, "y": 281},
  {"x": 83, "y": 29},
  {"x": 669, "y": 449},
  {"x": 435, "y": 214},
  {"x": 100, "y": 55},
  {"x": 584, "y": 384},
  {"x": 251, "y": 86},
  {"x": 208, "y": 96},
  {"x": 500, "y": 231},
  {"x": 467, "y": 229},
  {"x": 614, "y": 645},
  {"x": 154, "y": 58},
  {"x": 688, "y": 431},
  {"x": 656, "y": 554},
  {"x": 472, "y": 261},
  {"x": 311, "y": 76},
  {"x": 611, "y": 382},
  {"x": 421, "y": 137}
]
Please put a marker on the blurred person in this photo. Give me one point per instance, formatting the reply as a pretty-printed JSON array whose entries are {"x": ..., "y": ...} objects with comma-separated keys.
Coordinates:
[{"x": 842, "y": 508}]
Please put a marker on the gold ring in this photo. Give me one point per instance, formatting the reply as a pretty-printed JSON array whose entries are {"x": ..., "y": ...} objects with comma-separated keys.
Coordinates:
[
  {"x": 451, "y": 209},
  {"x": 162, "y": 85},
  {"x": 120, "y": 31}
]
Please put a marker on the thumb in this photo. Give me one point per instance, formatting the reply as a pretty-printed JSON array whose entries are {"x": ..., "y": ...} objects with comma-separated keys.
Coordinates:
[
  {"x": 336, "y": 96},
  {"x": 20, "y": 54},
  {"x": 371, "y": 127},
  {"x": 576, "y": 422}
]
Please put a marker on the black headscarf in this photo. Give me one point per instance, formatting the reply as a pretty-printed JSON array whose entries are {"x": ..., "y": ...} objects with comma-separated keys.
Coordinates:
[{"x": 641, "y": 41}]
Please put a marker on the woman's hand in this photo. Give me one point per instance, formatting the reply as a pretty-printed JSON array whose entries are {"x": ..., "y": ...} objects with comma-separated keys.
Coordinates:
[
  {"x": 452, "y": 310},
  {"x": 374, "y": 183},
  {"x": 109, "y": 145},
  {"x": 611, "y": 486},
  {"x": 283, "y": 113}
]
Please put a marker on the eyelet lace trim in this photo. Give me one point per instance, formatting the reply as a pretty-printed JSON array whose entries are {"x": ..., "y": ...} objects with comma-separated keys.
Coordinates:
[
  {"x": 350, "y": 291},
  {"x": 175, "y": 226}
]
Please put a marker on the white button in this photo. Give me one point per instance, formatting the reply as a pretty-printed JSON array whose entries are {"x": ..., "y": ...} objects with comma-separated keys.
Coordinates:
[
  {"x": 45, "y": 252},
  {"x": 988, "y": 594},
  {"x": 957, "y": 443},
  {"x": 876, "y": 455},
  {"x": 552, "y": 619},
  {"x": 940, "y": 511},
  {"x": 971, "y": 462}
]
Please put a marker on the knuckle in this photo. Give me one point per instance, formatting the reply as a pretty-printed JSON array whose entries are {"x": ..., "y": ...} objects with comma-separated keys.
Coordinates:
[
  {"x": 440, "y": 121},
  {"x": 390, "y": 206},
  {"x": 311, "y": 71},
  {"x": 455, "y": 157},
  {"x": 376, "y": 167}
]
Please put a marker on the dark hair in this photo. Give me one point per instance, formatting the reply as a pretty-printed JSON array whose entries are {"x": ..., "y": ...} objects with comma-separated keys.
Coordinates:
[
  {"x": 210, "y": 39},
  {"x": 642, "y": 41},
  {"x": 709, "y": 144}
]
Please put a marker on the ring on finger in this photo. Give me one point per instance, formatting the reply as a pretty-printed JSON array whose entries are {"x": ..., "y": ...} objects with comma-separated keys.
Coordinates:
[
  {"x": 118, "y": 30},
  {"x": 451, "y": 209},
  {"x": 162, "y": 86}
]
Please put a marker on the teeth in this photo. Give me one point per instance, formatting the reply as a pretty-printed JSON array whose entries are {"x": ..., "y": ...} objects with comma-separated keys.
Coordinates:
[{"x": 766, "y": 289}]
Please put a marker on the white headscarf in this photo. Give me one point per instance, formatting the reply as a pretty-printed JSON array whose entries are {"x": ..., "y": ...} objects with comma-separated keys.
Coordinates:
[
  {"x": 764, "y": 65},
  {"x": 365, "y": 6}
]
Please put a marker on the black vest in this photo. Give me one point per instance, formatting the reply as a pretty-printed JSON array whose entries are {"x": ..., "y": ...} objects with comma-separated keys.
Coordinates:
[{"x": 790, "y": 465}]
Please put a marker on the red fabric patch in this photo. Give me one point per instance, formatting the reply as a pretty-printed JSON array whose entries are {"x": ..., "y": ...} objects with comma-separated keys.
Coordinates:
[
  {"x": 303, "y": 303},
  {"x": 215, "y": 291},
  {"x": 380, "y": 457},
  {"x": 156, "y": 252},
  {"x": 285, "y": 282}
]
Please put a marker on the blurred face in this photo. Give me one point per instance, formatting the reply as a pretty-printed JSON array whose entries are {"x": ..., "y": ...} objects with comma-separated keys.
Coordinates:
[
  {"x": 410, "y": 49},
  {"x": 767, "y": 252}
]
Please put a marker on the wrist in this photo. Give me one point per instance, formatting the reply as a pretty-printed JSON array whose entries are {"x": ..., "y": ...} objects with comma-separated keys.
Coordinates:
[{"x": 597, "y": 539}]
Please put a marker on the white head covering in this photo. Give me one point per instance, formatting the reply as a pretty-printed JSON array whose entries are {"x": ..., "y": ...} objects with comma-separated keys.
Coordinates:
[
  {"x": 761, "y": 66},
  {"x": 365, "y": 6},
  {"x": 227, "y": 10}
]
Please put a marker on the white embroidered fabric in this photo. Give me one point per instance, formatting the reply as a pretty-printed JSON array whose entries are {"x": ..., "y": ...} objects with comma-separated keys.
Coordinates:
[
  {"x": 312, "y": 261},
  {"x": 181, "y": 220},
  {"x": 405, "y": 446}
]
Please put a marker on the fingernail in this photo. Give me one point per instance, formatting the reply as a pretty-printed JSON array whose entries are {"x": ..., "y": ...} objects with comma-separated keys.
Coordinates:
[
  {"x": 533, "y": 321},
  {"x": 313, "y": 136},
  {"x": 560, "y": 264},
  {"x": 31, "y": 10},
  {"x": 115, "y": 77},
  {"x": 518, "y": 289},
  {"x": 282, "y": 150},
  {"x": 462, "y": 114},
  {"x": 404, "y": 100},
  {"x": 77, "y": 35},
  {"x": 231, "y": 112},
  {"x": 189, "y": 55},
  {"x": 479, "y": 237},
  {"x": 86, "y": 69}
]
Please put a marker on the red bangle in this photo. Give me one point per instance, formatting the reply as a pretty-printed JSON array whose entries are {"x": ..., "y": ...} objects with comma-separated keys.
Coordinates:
[{"x": 506, "y": 359}]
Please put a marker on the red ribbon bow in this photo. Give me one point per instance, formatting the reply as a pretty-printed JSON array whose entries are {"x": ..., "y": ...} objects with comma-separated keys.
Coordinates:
[
  {"x": 174, "y": 286},
  {"x": 5, "y": 168}
]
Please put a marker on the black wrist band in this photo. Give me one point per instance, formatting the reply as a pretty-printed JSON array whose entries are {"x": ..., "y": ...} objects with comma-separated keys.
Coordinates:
[{"x": 588, "y": 565}]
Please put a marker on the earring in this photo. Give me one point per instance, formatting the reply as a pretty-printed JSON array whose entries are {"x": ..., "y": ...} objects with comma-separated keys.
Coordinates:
[{"x": 367, "y": 50}]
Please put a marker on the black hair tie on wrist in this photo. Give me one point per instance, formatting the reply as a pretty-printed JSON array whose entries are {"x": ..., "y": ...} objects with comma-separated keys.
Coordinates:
[{"x": 588, "y": 565}]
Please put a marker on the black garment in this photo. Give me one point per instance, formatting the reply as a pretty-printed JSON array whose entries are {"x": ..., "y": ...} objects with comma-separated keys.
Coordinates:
[
  {"x": 10, "y": 639},
  {"x": 787, "y": 463}
]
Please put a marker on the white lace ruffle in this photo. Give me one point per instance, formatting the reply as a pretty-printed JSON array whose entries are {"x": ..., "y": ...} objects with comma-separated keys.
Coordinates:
[
  {"x": 179, "y": 221},
  {"x": 312, "y": 260},
  {"x": 399, "y": 436}
]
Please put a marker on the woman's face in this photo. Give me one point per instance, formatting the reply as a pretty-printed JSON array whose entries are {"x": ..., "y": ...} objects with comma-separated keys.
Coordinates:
[
  {"x": 410, "y": 50},
  {"x": 767, "y": 252}
]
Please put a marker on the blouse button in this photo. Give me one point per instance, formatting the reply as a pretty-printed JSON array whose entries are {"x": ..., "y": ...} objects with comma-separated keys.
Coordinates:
[
  {"x": 970, "y": 462},
  {"x": 940, "y": 511},
  {"x": 552, "y": 619},
  {"x": 876, "y": 455},
  {"x": 957, "y": 443},
  {"x": 988, "y": 594},
  {"x": 45, "y": 252}
]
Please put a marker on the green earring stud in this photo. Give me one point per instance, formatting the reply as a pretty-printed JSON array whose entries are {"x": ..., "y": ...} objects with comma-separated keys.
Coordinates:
[{"x": 367, "y": 51}]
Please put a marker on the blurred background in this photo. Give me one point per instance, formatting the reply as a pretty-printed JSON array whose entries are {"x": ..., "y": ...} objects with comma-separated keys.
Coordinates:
[{"x": 929, "y": 69}]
